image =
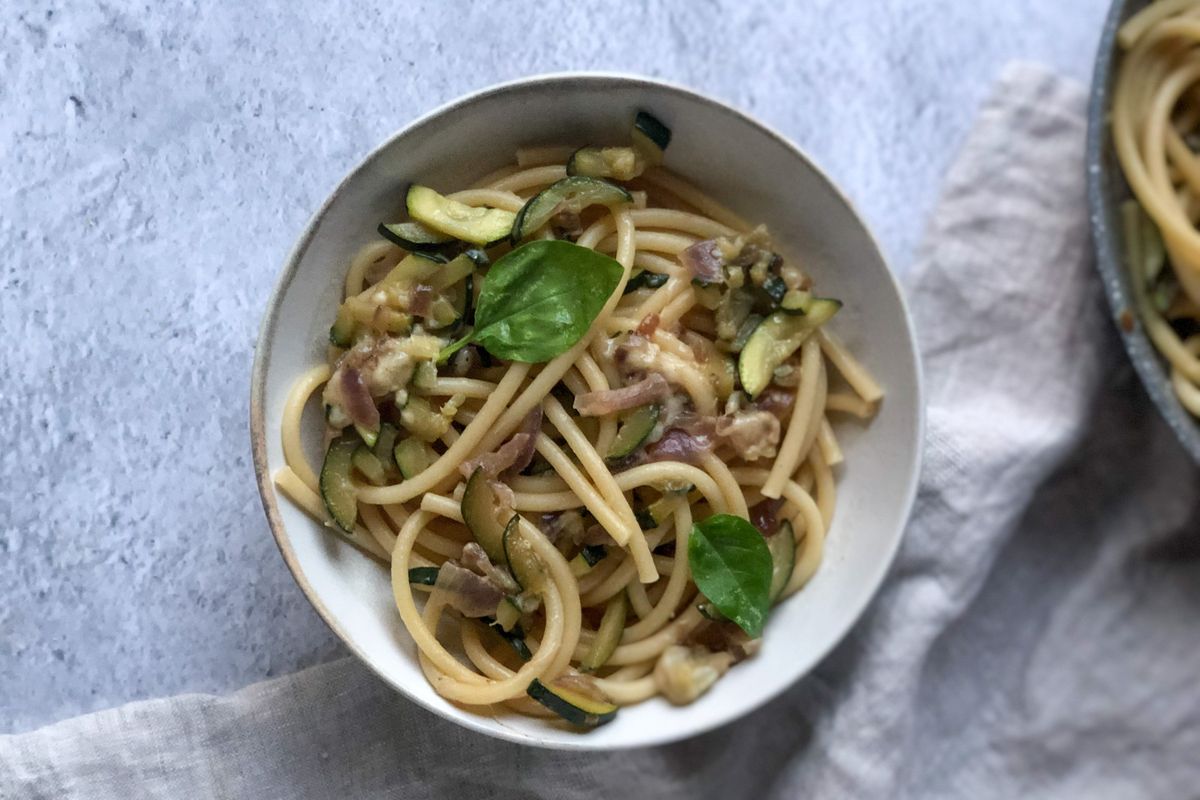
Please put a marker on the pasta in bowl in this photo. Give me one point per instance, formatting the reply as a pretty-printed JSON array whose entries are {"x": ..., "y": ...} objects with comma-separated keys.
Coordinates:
[{"x": 589, "y": 419}]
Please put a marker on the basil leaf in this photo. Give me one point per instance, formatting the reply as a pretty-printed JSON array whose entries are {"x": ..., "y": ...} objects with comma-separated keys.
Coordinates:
[
  {"x": 541, "y": 298},
  {"x": 731, "y": 565}
]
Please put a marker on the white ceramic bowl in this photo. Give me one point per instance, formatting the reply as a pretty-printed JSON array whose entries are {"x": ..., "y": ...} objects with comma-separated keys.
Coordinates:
[{"x": 741, "y": 163}]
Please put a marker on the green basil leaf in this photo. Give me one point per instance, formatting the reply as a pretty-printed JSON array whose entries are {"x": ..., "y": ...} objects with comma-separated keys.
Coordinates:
[
  {"x": 541, "y": 298},
  {"x": 731, "y": 565}
]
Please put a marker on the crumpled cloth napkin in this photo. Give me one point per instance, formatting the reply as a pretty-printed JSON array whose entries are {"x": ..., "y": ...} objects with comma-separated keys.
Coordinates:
[{"x": 1038, "y": 636}]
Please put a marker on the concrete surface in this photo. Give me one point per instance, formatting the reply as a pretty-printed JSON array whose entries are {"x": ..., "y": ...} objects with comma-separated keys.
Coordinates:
[{"x": 157, "y": 162}]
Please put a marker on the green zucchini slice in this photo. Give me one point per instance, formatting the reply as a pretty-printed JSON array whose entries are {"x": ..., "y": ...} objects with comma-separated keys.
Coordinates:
[
  {"x": 423, "y": 576},
  {"x": 369, "y": 436},
  {"x": 514, "y": 636},
  {"x": 342, "y": 331},
  {"x": 366, "y": 462},
  {"x": 337, "y": 487},
  {"x": 634, "y": 431},
  {"x": 621, "y": 163},
  {"x": 774, "y": 341},
  {"x": 775, "y": 289},
  {"x": 385, "y": 446},
  {"x": 783, "y": 558},
  {"x": 650, "y": 137},
  {"x": 507, "y": 614},
  {"x": 796, "y": 302},
  {"x": 482, "y": 514},
  {"x": 575, "y": 708},
  {"x": 456, "y": 269},
  {"x": 575, "y": 193},
  {"x": 608, "y": 635},
  {"x": 587, "y": 558},
  {"x": 485, "y": 226},
  {"x": 748, "y": 326},
  {"x": 645, "y": 279},
  {"x": 526, "y": 568},
  {"x": 414, "y": 237},
  {"x": 413, "y": 456}
]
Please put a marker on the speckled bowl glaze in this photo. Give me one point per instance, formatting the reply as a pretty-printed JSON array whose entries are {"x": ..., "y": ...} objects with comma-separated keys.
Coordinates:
[
  {"x": 1107, "y": 189},
  {"x": 743, "y": 164}
]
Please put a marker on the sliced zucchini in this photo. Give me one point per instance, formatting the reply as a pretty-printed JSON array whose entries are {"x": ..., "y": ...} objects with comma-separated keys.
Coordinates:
[
  {"x": 341, "y": 333},
  {"x": 608, "y": 635},
  {"x": 369, "y": 465},
  {"x": 796, "y": 301},
  {"x": 660, "y": 509},
  {"x": 526, "y": 568},
  {"x": 423, "y": 576},
  {"x": 636, "y": 428},
  {"x": 368, "y": 435},
  {"x": 413, "y": 268},
  {"x": 783, "y": 558},
  {"x": 507, "y": 614},
  {"x": 442, "y": 313},
  {"x": 385, "y": 446},
  {"x": 775, "y": 289},
  {"x": 514, "y": 636},
  {"x": 464, "y": 305},
  {"x": 456, "y": 269},
  {"x": 587, "y": 558},
  {"x": 574, "y": 193},
  {"x": 650, "y": 137},
  {"x": 482, "y": 514},
  {"x": 423, "y": 420},
  {"x": 337, "y": 487},
  {"x": 413, "y": 457},
  {"x": 621, "y": 163},
  {"x": 645, "y": 279},
  {"x": 574, "y": 707},
  {"x": 414, "y": 237},
  {"x": 749, "y": 325},
  {"x": 485, "y": 226},
  {"x": 774, "y": 341},
  {"x": 424, "y": 375}
]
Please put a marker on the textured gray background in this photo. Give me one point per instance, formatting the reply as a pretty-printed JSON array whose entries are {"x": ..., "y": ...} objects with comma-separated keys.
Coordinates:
[{"x": 158, "y": 160}]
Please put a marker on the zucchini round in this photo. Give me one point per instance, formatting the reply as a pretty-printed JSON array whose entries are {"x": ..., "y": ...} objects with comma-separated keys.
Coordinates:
[
  {"x": 650, "y": 137},
  {"x": 645, "y": 279},
  {"x": 796, "y": 302},
  {"x": 774, "y": 341},
  {"x": 621, "y": 163},
  {"x": 414, "y": 237},
  {"x": 337, "y": 487},
  {"x": 783, "y": 558},
  {"x": 385, "y": 446},
  {"x": 608, "y": 635},
  {"x": 634, "y": 431},
  {"x": 341, "y": 333},
  {"x": 575, "y": 708},
  {"x": 369, "y": 465},
  {"x": 481, "y": 513},
  {"x": 515, "y": 638},
  {"x": 576, "y": 193},
  {"x": 526, "y": 568},
  {"x": 423, "y": 576},
  {"x": 587, "y": 558},
  {"x": 485, "y": 226},
  {"x": 413, "y": 456}
]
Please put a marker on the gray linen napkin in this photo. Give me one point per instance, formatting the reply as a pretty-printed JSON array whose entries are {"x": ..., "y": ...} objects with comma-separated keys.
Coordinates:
[{"x": 1037, "y": 637}]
